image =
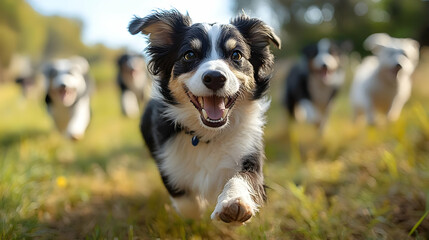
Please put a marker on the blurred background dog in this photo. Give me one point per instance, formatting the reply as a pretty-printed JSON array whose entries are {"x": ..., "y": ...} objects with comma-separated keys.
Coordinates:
[
  {"x": 383, "y": 82},
  {"x": 27, "y": 76},
  {"x": 313, "y": 82},
  {"x": 68, "y": 95},
  {"x": 134, "y": 83}
]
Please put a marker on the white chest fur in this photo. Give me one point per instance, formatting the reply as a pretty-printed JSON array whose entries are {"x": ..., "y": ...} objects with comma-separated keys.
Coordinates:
[
  {"x": 204, "y": 169},
  {"x": 320, "y": 92},
  {"x": 61, "y": 116}
]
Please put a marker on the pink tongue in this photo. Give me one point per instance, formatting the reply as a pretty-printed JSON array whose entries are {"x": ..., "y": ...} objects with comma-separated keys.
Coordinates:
[
  {"x": 63, "y": 93},
  {"x": 214, "y": 107}
]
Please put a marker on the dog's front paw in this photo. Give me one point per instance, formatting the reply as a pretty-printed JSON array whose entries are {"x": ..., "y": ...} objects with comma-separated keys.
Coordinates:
[
  {"x": 76, "y": 137},
  {"x": 234, "y": 210}
]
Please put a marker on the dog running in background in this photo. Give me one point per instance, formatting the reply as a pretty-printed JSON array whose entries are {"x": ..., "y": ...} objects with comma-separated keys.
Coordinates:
[
  {"x": 204, "y": 127},
  {"x": 383, "y": 81},
  {"x": 27, "y": 76},
  {"x": 134, "y": 83},
  {"x": 313, "y": 83},
  {"x": 68, "y": 95}
]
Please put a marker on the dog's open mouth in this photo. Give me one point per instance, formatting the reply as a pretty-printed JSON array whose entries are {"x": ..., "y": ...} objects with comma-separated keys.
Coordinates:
[
  {"x": 213, "y": 109},
  {"x": 325, "y": 73},
  {"x": 67, "y": 95}
]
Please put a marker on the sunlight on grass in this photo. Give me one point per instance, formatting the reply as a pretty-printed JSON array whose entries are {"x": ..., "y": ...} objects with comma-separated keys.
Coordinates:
[
  {"x": 422, "y": 116},
  {"x": 418, "y": 223},
  {"x": 390, "y": 161},
  {"x": 349, "y": 182}
]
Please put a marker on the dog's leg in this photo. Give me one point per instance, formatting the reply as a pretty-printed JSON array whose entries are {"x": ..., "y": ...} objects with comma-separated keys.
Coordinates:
[
  {"x": 322, "y": 124},
  {"x": 80, "y": 119},
  {"x": 395, "y": 109},
  {"x": 324, "y": 116},
  {"x": 189, "y": 206},
  {"x": 307, "y": 112},
  {"x": 243, "y": 193},
  {"x": 240, "y": 198},
  {"x": 369, "y": 112},
  {"x": 130, "y": 104}
]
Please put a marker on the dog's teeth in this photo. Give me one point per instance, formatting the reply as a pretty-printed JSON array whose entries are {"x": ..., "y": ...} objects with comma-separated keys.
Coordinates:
[
  {"x": 204, "y": 114},
  {"x": 201, "y": 101},
  {"x": 225, "y": 112},
  {"x": 226, "y": 101}
]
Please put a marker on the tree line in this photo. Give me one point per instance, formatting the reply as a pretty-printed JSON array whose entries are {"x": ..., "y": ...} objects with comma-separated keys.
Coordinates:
[
  {"x": 25, "y": 31},
  {"x": 306, "y": 21}
]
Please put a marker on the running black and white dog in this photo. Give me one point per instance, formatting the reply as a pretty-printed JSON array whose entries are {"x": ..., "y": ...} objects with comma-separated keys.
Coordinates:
[
  {"x": 68, "y": 95},
  {"x": 134, "y": 83},
  {"x": 313, "y": 82},
  {"x": 205, "y": 127},
  {"x": 382, "y": 82}
]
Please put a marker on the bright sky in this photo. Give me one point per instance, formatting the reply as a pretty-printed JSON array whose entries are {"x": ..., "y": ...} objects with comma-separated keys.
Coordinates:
[{"x": 106, "y": 21}]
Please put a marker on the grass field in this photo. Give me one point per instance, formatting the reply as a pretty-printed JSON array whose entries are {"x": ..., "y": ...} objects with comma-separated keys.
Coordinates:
[{"x": 354, "y": 182}]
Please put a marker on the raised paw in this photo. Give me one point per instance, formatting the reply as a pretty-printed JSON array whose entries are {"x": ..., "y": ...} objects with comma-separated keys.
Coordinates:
[{"x": 235, "y": 210}]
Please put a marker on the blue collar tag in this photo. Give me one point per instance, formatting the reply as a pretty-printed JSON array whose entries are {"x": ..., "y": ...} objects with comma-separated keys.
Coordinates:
[{"x": 195, "y": 140}]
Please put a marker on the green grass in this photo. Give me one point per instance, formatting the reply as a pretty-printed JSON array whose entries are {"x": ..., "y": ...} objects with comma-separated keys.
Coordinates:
[{"x": 354, "y": 182}]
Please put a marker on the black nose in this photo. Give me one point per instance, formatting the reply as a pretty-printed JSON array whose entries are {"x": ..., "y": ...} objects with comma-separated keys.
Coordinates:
[
  {"x": 214, "y": 80},
  {"x": 62, "y": 85}
]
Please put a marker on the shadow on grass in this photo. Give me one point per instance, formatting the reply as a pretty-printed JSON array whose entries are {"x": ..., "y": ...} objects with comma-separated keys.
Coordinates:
[
  {"x": 129, "y": 217},
  {"x": 84, "y": 163},
  {"x": 13, "y": 138},
  {"x": 107, "y": 216}
]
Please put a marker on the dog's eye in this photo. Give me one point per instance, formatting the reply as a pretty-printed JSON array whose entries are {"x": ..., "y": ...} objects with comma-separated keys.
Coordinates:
[
  {"x": 189, "y": 56},
  {"x": 236, "y": 55}
]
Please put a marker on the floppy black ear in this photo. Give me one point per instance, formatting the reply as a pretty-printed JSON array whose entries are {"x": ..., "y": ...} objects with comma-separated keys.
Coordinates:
[
  {"x": 310, "y": 51},
  {"x": 256, "y": 31},
  {"x": 258, "y": 35},
  {"x": 160, "y": 26},
  {"x": 165, "y": 29},
  {"x": 122, "y": 59}
]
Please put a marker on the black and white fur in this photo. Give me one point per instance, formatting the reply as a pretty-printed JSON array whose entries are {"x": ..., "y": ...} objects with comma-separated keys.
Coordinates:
[
  {"x": 211, "y": 83},
  {"x": 68, "y": 95},
  {"x": 313, "y": 82},
  {"x": 383, "y": 81},
  {"x": 134, "y": 83}
]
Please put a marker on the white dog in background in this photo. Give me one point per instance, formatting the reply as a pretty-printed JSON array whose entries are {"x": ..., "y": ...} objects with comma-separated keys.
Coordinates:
[
  {"x": 68, "y": 95},
  {"x": 383, "y": 82}
]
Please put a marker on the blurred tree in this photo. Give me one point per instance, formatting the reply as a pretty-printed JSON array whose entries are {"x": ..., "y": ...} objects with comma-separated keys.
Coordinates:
[
  {"x": 31, "y": 30},
  {"x": 7, "y": 44},
  {"x": 63, "y": 37},
  {"x": 8, "y": 26},
  {"x": 305, "y": 21},
  {"x": 103, "y": 59},
  {"x": 26, "y": 28},
  {"x": 24, "y": 31},
  {"x": 424, "y": 33}
]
